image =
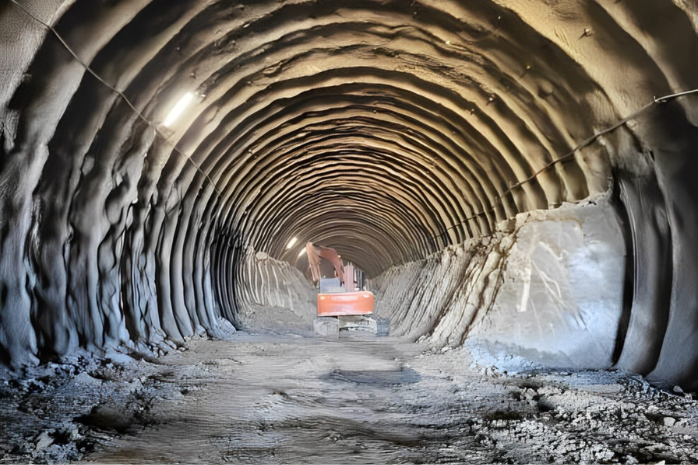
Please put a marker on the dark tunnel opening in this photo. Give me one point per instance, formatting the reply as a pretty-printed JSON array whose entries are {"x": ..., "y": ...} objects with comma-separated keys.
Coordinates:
[{"x": 513, "y": 177}]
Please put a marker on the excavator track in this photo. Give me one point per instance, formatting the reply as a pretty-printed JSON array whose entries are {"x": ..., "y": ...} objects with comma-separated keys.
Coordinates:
[{"x": 345, "y": 325}]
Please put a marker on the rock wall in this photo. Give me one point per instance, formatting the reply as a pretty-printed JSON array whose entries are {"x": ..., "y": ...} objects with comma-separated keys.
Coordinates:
[
  {"x": 657, "y": 195},
  {"x": 387, "y": 129},
  {"x": 273, "y": 296},
  {"x": 547, "y": 286},
  {"x": 419, "y": 297}
]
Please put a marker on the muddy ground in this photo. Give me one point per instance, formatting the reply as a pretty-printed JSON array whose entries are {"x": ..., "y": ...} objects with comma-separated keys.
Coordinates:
[{"x": 269, "y": 398}]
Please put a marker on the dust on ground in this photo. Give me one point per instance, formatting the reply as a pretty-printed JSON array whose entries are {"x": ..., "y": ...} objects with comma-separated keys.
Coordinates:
[{"x": 262, "y": 398}]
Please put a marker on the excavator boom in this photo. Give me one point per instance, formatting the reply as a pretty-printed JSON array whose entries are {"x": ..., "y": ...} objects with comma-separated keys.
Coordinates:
[{"x": 315, "y": 252}]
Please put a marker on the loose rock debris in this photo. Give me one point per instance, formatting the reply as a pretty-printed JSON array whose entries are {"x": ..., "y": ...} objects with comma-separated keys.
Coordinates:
[
  {"x": 61, "y": 412},
  {"x": 263, "y": 399}
]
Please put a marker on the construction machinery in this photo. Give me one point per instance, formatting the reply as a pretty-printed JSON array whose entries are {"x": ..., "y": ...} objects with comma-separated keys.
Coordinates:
[{"x": 342, "y": 303}]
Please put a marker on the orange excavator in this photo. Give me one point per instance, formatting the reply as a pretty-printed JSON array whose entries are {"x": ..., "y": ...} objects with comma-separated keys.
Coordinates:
[{"x": 341, "y": 304}]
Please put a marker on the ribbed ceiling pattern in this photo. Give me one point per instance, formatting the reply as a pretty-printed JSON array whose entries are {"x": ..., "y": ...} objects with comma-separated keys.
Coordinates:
[
  {"x": 381, "y": 128},
  {"x": 387, "y": 129}
]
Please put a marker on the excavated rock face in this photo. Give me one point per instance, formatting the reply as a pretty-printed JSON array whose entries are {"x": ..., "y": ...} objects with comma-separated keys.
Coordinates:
[
  {"x": 387, "y": 129},
  {"x": 547, "y": 289}
]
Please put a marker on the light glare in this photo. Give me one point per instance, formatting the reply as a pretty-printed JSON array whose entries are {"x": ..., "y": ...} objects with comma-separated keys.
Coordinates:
[
  {"x": 291, "y": 243},
  {"x": 178, "y": 109}
]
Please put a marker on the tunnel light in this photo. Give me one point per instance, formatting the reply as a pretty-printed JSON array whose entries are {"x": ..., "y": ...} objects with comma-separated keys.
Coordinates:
[
  {"x": 178, "y": 109},
  {"x": 301, "y": 253},
  {"x": 291, "y": 243}
]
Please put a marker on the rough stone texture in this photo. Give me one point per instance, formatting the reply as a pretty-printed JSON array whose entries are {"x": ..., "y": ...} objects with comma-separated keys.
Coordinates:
[
  {"x": 273, "y": 295},
  {"x": 390, "y": 130},
  {"x": 261, "y": 399},
  {"x": 561, "y": 296},
  {"x": 551, "y": 290},
  {"x": 416, "y": 297}
]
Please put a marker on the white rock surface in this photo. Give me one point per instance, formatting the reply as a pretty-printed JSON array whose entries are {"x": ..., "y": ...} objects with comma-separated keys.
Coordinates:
[
  {"x": 547, "y": 288},
  {"x": 561, "y": 296}
]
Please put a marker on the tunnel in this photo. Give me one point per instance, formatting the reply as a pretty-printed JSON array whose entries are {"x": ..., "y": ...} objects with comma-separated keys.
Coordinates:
[{"x": 514, "y": 177}]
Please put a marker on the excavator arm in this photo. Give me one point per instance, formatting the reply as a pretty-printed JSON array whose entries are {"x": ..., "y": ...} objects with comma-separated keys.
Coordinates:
[{"x": 315, "y": 253}]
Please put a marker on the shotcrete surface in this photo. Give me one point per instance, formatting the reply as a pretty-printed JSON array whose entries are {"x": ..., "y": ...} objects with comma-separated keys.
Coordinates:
[{"x": 262, "y": 398}]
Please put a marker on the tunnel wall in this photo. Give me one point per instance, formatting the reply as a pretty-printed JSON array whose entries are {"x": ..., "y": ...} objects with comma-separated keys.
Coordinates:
[
  {"x": 547, "y": 287},
  {"x": 273, "y": 295},
  {"x": 658, "y": 194},
  {"x": 388, "y": 129},
  {"x": 415, "y": 296}
]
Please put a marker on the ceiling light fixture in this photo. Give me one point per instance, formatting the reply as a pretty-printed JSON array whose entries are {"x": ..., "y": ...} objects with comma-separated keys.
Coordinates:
[{"x": 178, "y": 109}]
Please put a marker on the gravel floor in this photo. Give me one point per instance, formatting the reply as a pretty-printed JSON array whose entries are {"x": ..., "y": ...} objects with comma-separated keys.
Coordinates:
[{"x": 261, "y": 398}]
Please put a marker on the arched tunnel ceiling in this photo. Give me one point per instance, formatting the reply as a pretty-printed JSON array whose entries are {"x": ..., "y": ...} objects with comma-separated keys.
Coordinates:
[{"x": 388, "y": 129}]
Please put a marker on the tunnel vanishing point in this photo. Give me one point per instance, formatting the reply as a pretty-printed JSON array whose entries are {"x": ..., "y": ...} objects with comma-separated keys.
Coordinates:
[{"x": 522, "y": 175}]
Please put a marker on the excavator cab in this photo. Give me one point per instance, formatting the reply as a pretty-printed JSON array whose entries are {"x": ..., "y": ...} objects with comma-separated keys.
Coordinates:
[{"x": 342, "y": 304}]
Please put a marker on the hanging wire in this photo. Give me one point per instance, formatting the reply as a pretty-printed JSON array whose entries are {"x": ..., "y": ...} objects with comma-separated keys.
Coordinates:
[
  {"x": 570, "y": 154},
  {"x": 120, "y": 93},
  {"x": 496, "y": 200}
]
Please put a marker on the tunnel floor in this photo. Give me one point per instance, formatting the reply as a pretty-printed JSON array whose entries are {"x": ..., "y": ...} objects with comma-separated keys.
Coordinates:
[{"x": 264, "y": 398}]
